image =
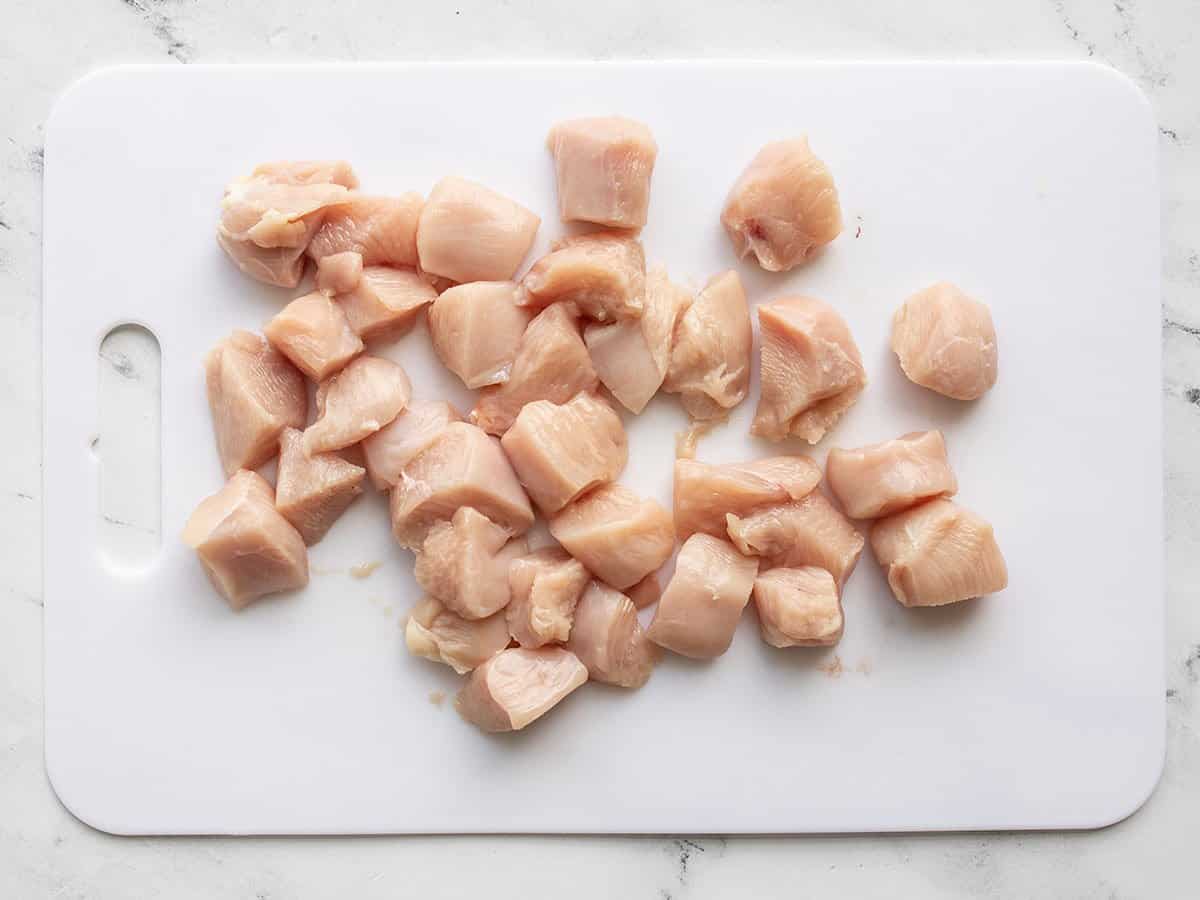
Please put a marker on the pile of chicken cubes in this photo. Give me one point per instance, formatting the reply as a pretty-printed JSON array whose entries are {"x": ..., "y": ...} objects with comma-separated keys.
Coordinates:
[{"x": 586, "y": 327}]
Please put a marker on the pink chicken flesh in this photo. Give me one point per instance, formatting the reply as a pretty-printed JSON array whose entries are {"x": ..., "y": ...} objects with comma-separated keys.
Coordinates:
[
  {"x": 798, "y": 607},
  {"x": 385, "y": 302},
  {"x": 646, "y": 592},
  {"x": 395, "y": 445},
  {"x": 313, "y": 333},
  {"x": 476, "y": 330},
  {"x": 443, "y": 636},
  {"x": 602, "y": 168},
  {"x": 518, "y": 686},
  {"x": 468, "y": 232},
  {"x": 608, "y": 639},
  {"x": 881, "y": 479},
  {"x": 357, "y": 402},
  {"x": 313, "y": 491},
  {"x": 946, "y": 342},
  {"x": 546, "y": 586},
  {"x": 339, "y": 272},
  {"x": 602, "y": 275},
  {"x": 463, "y": 564},
  {"x": 383, "y": 230},
  {"x": 706, "y": 493}
]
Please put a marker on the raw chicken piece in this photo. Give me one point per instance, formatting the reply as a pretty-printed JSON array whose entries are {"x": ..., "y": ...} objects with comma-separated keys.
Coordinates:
[
  {"x": 946, "y": 342},
  {"x": 645, "y": 592},
  {"x": 313, "y": 333},
  {"x": 631, "y": 356},
  {"x": 811, "y": 369},
  {"x": 438, "y": 634},
  {"x": 881, "y": 479},
  {"x": 619, "y": 536},
  {"x": 313, "y": 491},
  {"x": 396, "y": 444},
  {"x": 321, "y": 171},
  {"x": 609, "y": 640},
  {"x": 700, "y": 608},
  {"x": 806, "y": 532},
  {"x": 938, "y": 553},
  {"x": 339, "y": 272},
  {"x": 462, "y": 466},
  {"x": 710, "y": 352},
  {"x": 705, "y": 493},
  {"x": 463, "y": 564},
  {"x": 476, "y": 329},
  {"x": 602, "y": 167},
  {"x": 517, "y": 686},
  {"x": 602, "y": 275},
  {"x": 386, "y": 302},
  {"x": 246, "y": 547},
  {"x": 545, "y": 586},
  {"x": 560, "y": 452},
  {"x": 552, "y": 364},
  {"x": 254, "y": 393},
  {"x": 357, "y": 402},
  {"x": 783, "y": 207},
  {"x": 468, "y": 232},
  {"x": 383, "y": 230},
  {"x": 798, "y": 607}
]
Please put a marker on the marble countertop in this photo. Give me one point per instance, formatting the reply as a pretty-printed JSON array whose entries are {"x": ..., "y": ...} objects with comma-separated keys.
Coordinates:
[{"x": 46, "y": 852}]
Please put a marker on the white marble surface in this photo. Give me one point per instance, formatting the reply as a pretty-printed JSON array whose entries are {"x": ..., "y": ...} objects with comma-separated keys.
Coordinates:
[{"x": 45, "y": 852}]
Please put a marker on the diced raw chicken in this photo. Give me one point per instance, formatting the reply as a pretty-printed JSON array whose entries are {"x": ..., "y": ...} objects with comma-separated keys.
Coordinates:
[
  {"x": 517, "y": 686},
  {"x": 313, "y": 333},
  {"x": 254, "y": 393},
  {"x": 339, "y": 272},
  {"x": 383, "y": 230},
  {"x": 552, "y": 364},
  {"x": 463, "y": 564},
  {"x": 700, "y": 608},
  {"x": 246, "y": 547},
  {"x": 645, "y": 592},
  {"x": 608, "y": 639},
  {"x": 561, "y": 451},
  {"x": 812, "y": 371},
  {"x": 476, "y": 330},
  {"x": 705, "y": 493},
  {"x": 313, "y": 491},
  {"x": 881, "y": 479},
  {"x": 710, "y": 352},
  {"x": 602, "y": 167},
  {"x": 806, "y": 532},
  {"x": 395, "y": 445},
  {"x": 620, "y": 537},
  {"x": 631, "y": 355},
  {"x": 438, "y": 634},
  {"x": 357, "y": 402},
  {"x": 468, "y": 232},
  {"x": 386, "y": 302},
  {"x": 462, "y": 466},
  {"x": 946, "y": 342},
  {"x": 798, "y": 607},
  {"x": 320, "y": 171},
  {"x": 783, "y": 207},
  {"x": 545, "y": 586},
  {"x": 602, "y": 275}
]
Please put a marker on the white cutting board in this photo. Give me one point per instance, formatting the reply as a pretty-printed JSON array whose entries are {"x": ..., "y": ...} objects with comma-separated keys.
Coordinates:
[{"x": 1031, "y": 185}]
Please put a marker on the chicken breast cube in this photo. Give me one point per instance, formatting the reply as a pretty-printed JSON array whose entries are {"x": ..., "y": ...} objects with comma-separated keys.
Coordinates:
[
  {"x": 383, "y": 230},
  {"x": 946, "y": 342},
  {"x": 705, "y": 493},
  {"x": 938, "y": 553},
  {"x": 518, "y": 686},
  {"x": 806, "y": 532},
  {"x": 602, "y": 275},
  {"x": 437, "y": 634},
  {"x": 313, "y": 491},
  {"x": 357, "y": 402},
  {"x": 710, "y": 353},
  {"x": 545, "y": 585},
  {"x": 463, "y": 564},
  {"x": 386, "y": 302},
  {"x": 602, "y": 167},
  {"x": 552, "y": 364},
  {"x": 881, "y": 479},
  {"x": 700, "y": 608},
  {"x": 783, "y": 207},
  {"x": 561, "y": 451},
  {"x": 462, "y": 466},
  {"x": 620, "y": 537},
  {"x": 812, "y": 371},
  {"x": 395, "y": 445},
  {"x": 476, "y": 330},
  {"x": 609, "y": 640},
  {"x": 645, "y": 592},
  {"x": 253, "y": 393},
  {"x": 313, "y": 333},
  {"x": 339, "y": 272},
  {"x": 798, "y": 607},
  {"x": 246, "y": 547},
  {"x": 468, "y": 232}
]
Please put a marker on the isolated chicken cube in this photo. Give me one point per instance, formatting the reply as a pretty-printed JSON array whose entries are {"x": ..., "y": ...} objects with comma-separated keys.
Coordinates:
[
  {"x": 881, "y": 479},
  {"x": 386, "y": 302},
  {"x": 699, "y": 610},
  {"x": 798, "y": 607},
  {"x": 253, "y": 393},
  {"x": 463, "y": 564},
  {"x": 395, "y": 445},
  {"x": 313, "y": 333},
  {"x": 443, "y": 636},
  {"x": 603, "y": 167},
  {"x": 476, "y": 330},
  {"x": 645, "y": 592},
  {"x": 812, "y": 371},
  {"x": 339, "y": 272},
  {"x": 517, "y": 686},
  {"x": 608, "y": 639},
  {"x": 313, "y": 491},
  {"x": 602, "y": 275},
  {"x": 468, "y": 232},
  {"x": 545, "y": 585},
  {"x": 246, "y": 547},
  {"x": 946, "y": 342},
  {"x": 383, "y": 230},
  {"x": 705, "y": 493},
  {"x": 357, "y": 402},
  {"x": 783, "y": 207}
]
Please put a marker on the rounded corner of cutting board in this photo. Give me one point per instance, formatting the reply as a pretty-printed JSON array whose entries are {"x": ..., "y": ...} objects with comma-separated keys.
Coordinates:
[{"x": 73, "y": 794}]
